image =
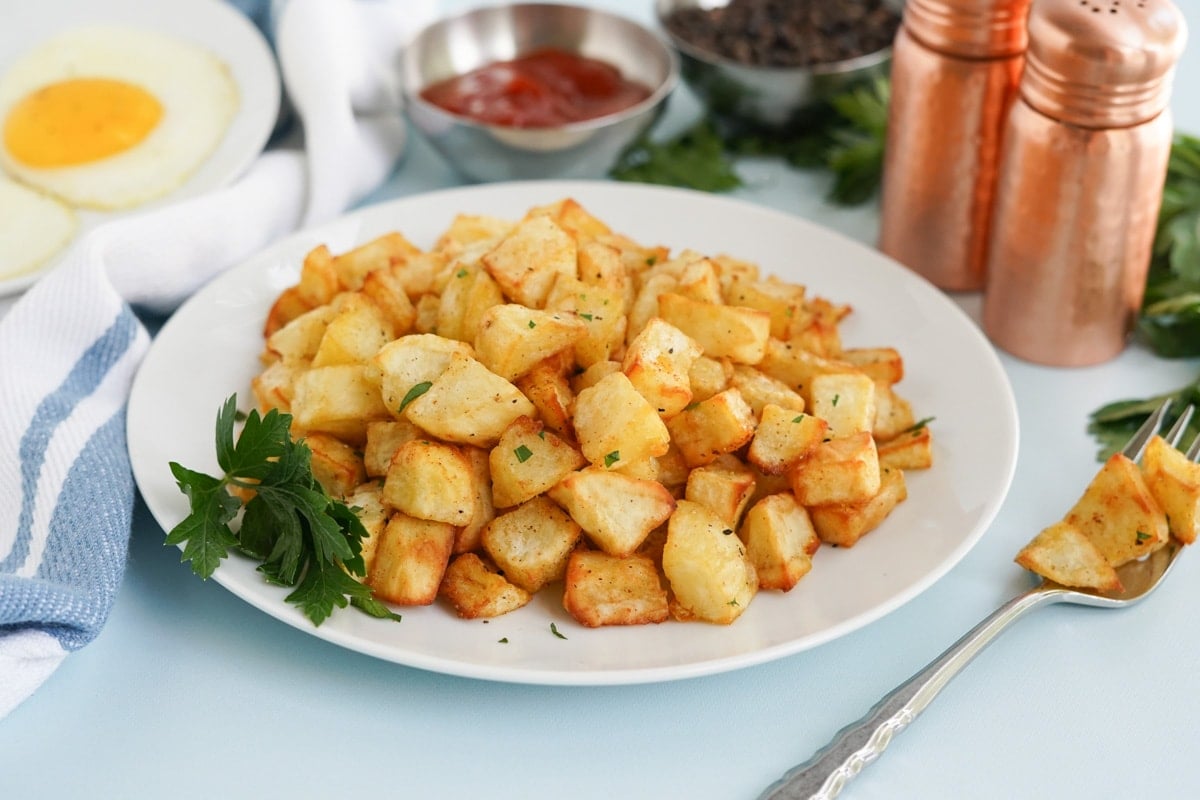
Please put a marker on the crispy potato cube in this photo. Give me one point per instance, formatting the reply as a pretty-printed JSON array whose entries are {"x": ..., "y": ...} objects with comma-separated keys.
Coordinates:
[
  {"x": 606, "y": 590},
  {"x": 286, "y": 308},
  {"x": 431, "y": 480},
  {"x": 593, "y": 375},
  {"x": 1064, "y": 554},
  {"x": 846, "y": 401},
  {"x": 410, "y": 560},
  {"x": 645, "y": 303},
  {"x": 780, "y": 541},
  {"x": 467, "y": 297},
  {"x": 616, "y": 425},
  {"x": 698, "y": 281},
  {"x": 706, "y": 565},
  {"x": 709, "y": 376},
  {"x": 843, "y": 524},
  {"x": 512, "y": 339},
  {"x": 275, "y": 385},
  {"x": 880, "y": 364},
  {"x": 340, "y": 400},
  {"x": 893, "y": 414},
  {"x": 337, "y": 466},
  {"x": 735, "y": 332},
  {"x": 783, "y": 437},
  {"x": 299, "y": 339},
  {"x": 318, "y": 279},
  {"x": 720, "y": 424},
  {"x": 470, "y": 229},
  {"x": 841, "y": 470},
  {"x": 420, "y": 273},
  {"x": 469, "y": 536},
  {"x": 353, "y": 266},
  {"x": 796, "y": 367},
  {"x": 615, "y": 510},
  {"x": 386, "y": 290},
  {"x": 550, "y": 392},
  {"x": 427, "y": 307},
  {"x": 469, "y": 404},
  {"x": 760, "y": 389},
  {"x": 600, "y": 265},
  {"x": 722, "y": 487},
  {"x": 368, "y": 505},
  {"x": 912, "y": 450},
  {"x": 783, "y": 301},
  {"x": 573, "y": 218},
  {"x": 478, "y": 591},
  {"x": 384, "y": 438},
  {"x": 1175, "y": 483},
  {"x": 1118, "y": 513},
  {"x": 412, "y": 360},
  {"x": 529, "y": 259},
  {"x": 527, "y": 461},
  {"x": 601, "y": 311},
  {"x": 354, "y": 335},
  {"x": 657, "y": 363},
  {"x": 531, "y": 543}
]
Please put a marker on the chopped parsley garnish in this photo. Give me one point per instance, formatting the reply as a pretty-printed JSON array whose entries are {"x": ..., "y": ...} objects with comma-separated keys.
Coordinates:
[
  {"x": 532, "y": 324},
  {"x": 588, "y": 317},
  {"x": 415, "y": 392},
  {"x": 554, "y": 630},
  {"x": 523, "y": 454},
  {"x": 798, "y": 418},
  {"x": 612, "y": 458}
]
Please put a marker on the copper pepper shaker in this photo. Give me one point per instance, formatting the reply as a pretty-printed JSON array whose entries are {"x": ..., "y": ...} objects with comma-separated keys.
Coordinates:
[
  {"x": 1085, "y": 156},
  {"x": 955, "y": 69}
]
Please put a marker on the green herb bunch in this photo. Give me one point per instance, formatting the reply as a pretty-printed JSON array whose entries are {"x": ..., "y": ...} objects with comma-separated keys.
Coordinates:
[
  {"x": 845, "y": 136},
  {"x": 1170, "y": 318},
  {"x": 302, "y": 537},
  {"x": 1113, "y": 424}
]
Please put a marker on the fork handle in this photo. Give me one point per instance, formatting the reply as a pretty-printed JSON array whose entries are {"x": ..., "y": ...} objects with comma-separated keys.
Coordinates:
[{"x": 824, "y": 775}]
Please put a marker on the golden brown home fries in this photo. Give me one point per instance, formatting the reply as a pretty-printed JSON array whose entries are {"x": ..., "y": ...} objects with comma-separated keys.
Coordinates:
[{"x": 546, "y": 403}]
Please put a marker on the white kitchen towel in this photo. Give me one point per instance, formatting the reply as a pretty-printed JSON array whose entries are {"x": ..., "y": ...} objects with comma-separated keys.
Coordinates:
[{"x": 70, "y": 346}]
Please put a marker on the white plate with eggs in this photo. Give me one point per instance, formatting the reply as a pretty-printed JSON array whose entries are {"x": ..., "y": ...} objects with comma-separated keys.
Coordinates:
[{"x": 110, "y": 107}]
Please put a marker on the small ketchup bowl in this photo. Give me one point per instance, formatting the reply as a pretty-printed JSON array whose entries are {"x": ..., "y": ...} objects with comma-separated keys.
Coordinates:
[{"x": 561, "y": 128}]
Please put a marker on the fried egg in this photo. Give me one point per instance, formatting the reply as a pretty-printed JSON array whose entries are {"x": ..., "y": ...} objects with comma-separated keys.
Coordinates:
[
  {"x": 33, "y": 228},
  {"x": 110, "y": 117}
]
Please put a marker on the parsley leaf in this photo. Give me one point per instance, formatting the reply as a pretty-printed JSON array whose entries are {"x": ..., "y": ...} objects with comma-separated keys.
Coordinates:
[
  {"x": 1112, "y": 425},
  {"x": 301, "y": 537},
  {"x": 415, "y": 392},
  {"x": 612, "y": 458},
  {"x": 1170, "y": 317}
]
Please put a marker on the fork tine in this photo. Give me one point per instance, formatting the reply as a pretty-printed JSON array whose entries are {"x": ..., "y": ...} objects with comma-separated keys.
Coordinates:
[
  {"x": 1133, "y": 450},
  {"x": 1176, "y": 433}
]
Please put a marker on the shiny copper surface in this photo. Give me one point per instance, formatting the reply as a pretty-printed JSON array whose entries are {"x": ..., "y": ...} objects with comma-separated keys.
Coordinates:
[
  {"x": 1102, "y": 63},
  {"x": 969, "y": 28},
  {"x": 1081, "y": 176},
  {"x": 944, "y": 135},
  {"x": 1072, "y": 235}
]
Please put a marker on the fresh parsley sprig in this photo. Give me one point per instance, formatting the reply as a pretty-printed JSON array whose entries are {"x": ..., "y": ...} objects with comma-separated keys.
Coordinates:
[
  {"x": 1113, "y": 424},
  {"x": 845, "y": 136},
  {"x": 302, "y": 537},
  {"x": 1170, "y": 318}
]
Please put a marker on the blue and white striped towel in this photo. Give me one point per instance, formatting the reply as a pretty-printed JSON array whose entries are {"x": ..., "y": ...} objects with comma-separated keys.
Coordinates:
[{"x": 70, "y": 347}]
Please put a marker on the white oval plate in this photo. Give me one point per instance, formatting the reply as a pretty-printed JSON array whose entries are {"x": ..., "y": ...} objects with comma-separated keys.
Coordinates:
[
  {"x": 212, "y": 24},
  {"x": 209, "y": 350}
]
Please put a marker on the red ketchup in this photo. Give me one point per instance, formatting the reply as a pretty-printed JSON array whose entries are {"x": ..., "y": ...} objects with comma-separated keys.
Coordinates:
[{"x": 543, "y": 89}]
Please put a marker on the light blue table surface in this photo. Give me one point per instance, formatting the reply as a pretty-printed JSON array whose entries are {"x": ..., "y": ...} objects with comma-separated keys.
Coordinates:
[{"x": 191, "y": 693}]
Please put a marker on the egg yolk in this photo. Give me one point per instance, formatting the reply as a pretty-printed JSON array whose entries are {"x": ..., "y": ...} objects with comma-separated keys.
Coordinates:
[{"x": 79, "y": 120}]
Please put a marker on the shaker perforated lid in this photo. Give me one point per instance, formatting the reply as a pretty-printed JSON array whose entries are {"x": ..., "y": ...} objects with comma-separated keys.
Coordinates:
[
  {"x": 1102, "y": 63},
  {"x": 969, "y": 28}
]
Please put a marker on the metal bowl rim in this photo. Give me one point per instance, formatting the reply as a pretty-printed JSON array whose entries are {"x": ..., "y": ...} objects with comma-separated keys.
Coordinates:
[
  {"x": 846, "y": 65},
  {"x": 656, "y": 97}
]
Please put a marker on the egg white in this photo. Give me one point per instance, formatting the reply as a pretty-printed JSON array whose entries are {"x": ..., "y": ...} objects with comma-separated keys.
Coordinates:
[
  {"x": 33, "y": 228},
  {"x": 198, "y": 95}
]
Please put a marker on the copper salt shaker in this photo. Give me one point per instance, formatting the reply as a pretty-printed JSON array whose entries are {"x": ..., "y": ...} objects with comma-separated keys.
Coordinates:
[
  {"x": 955, "y": 69},
  {"x": 1085, "y": 156}
]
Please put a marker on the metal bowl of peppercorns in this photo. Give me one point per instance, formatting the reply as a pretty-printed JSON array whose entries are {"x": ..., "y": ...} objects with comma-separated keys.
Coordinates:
[{"x": 773, "y": 64}]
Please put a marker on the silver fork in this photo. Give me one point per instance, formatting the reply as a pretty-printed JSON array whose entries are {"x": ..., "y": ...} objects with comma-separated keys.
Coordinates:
[{"x": 824, "y": 775}]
